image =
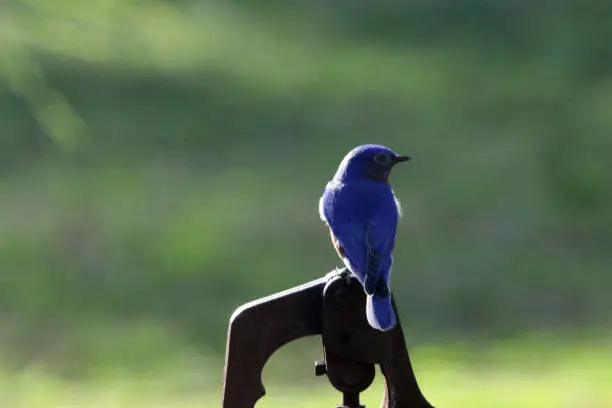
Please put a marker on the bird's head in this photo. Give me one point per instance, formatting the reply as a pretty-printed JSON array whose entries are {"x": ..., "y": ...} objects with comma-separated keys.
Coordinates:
[{"x": 369, "y": 161}]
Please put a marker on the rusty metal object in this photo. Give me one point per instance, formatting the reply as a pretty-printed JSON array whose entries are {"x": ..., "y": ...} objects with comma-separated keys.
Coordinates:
[{"x": 333, "y": 307}]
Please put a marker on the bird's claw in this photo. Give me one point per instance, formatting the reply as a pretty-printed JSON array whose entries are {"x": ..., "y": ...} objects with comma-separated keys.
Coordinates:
[
  {"x": 345, "y": 274},
  {"x": 347, "y": 277}
]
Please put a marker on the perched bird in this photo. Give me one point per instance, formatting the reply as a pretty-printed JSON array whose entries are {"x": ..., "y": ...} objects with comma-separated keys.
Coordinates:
[{"x": 362, "y": 212}]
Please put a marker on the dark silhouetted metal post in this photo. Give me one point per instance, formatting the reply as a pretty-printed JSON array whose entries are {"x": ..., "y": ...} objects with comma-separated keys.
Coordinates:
[{"x": 333, "y": 307}]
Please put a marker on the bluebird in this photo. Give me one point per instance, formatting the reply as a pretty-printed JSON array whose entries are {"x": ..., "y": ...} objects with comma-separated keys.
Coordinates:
[{"x": 362, "y": 212}]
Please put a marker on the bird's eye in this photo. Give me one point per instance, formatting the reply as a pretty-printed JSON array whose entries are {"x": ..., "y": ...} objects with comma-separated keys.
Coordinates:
[{"x": 383, "y": 159}]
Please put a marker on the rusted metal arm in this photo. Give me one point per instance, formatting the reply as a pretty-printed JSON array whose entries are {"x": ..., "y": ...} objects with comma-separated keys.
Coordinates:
[{"x": 333, "y": 307}]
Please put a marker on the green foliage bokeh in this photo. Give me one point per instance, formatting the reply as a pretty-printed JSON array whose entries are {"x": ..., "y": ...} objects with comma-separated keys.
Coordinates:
[{"x": 190, "y": 142}]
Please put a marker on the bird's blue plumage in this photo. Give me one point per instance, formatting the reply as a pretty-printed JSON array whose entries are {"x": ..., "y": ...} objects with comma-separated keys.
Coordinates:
[{"x": 362, "y": 213}]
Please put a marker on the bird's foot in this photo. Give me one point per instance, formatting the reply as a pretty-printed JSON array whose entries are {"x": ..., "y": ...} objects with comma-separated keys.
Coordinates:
[
  {"x": 339, "y": 271},
  {"x": 345, "y": 274},
  {"x": 347, "y": 277}
]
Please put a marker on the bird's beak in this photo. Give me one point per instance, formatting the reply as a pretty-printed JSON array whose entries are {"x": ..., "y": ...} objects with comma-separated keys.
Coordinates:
[{"x": 399, "y": 159}]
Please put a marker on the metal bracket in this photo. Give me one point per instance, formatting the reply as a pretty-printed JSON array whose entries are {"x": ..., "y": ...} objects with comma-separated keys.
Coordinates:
[{"x": 333, "y": 307}]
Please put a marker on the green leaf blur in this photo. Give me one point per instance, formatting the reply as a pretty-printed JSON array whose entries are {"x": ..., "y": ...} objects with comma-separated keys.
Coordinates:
[{"x": 161, "y": 162}]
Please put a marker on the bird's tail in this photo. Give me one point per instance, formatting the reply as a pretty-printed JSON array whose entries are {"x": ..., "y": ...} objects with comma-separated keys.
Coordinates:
[{"x": 380, "y": 313}]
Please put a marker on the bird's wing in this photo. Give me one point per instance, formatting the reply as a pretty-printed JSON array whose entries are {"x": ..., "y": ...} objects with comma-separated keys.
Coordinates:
[
  {"x": 363, "y": 238},
  {"x": 349, "y": 241},
  {"x": 380, "y": 240},
  {"x": 347, "y": 228}
]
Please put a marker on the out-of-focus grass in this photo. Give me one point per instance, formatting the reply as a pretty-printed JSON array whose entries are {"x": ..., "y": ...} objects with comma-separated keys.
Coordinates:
[
  {"x": 539, "y": 372},
  {"x": 121, "y": 271}
]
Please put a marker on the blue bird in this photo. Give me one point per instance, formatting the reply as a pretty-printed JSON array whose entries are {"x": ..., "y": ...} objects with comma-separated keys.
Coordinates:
[{"x": 362, "y": 212}]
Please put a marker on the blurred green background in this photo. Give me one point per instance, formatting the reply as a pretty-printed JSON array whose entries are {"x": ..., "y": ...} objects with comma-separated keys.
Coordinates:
[{"x": 161, "y": 162}]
